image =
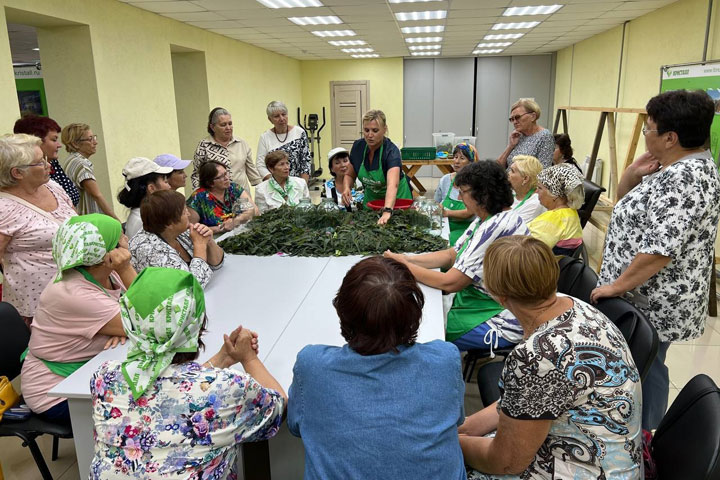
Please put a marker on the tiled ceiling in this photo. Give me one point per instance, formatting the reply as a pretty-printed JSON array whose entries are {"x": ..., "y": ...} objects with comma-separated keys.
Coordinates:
[{"x": 467, "y": 22}]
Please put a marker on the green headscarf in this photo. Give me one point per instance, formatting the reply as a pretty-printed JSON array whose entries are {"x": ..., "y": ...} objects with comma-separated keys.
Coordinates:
[
  {"x": 84, "y": 240},
  {"x": 162, "y": 313}
]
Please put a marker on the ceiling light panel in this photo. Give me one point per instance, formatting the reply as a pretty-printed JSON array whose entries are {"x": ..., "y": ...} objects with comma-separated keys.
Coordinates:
[
  {"x": 531, "y": 10},
  {"x": 333, "y": 33},
  {"x": 424, "y": 47},
  {"x": 494, "y": 44},
  {"x": 419, "y": 16},
  {"x": 503, "y": 36},
  {"x": 365, "y": 55},
  {"x": 357, "y": 50},
  {"x": 426, "y": 29},
  {"x": 424, "y": 54},
  {"x": 514, "y": 25},
  {"x": 482, "y": 52},
  {"x": 412, "y": 1},
  {"x": 347, "y": 43},
  {"x": 329, "y": 20},
  {"x": 290, "y": 3},
  {"x": 424, "y": 39}
]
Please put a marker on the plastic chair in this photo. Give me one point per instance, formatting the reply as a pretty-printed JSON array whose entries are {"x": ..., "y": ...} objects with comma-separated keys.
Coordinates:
[
  {"x": 488, "y": 379},
  {"x": 639, "y": 333},
  {"x": 687, "y": 442},
  {"x": 592, "y": 195},
  {"x": 13, "y": 342},
  {"x": 576, "y": 278}
]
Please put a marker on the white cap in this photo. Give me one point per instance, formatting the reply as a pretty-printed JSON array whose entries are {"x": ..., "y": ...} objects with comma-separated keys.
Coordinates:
[
  {"x": 335, "y": 151},
  {"x": 140, "y": 166}
]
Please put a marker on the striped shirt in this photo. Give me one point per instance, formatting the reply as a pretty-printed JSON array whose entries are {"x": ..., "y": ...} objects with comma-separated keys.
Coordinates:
[{"x": 79, "y": 169}]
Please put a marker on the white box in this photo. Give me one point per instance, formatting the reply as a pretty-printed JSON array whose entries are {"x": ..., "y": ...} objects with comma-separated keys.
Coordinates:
[{"x": 444, "y": 142}]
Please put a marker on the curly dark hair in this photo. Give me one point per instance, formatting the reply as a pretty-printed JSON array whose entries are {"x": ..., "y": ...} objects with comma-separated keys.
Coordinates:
[
  {"x": 562, "y": 140},
  {"x": 138, "y": 189},
  {"x": 489, "y": 185},
  {"x": 688, "y": 114}
]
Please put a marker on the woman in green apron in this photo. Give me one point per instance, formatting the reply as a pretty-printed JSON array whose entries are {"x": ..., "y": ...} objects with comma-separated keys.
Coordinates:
[
  {"x": 475, "y": 320},
  {"x": 459, "y": 217},
  {"x": 376, "y": 162},
  {"x": 78, "y": 314},
  {"x": 522, "y": 176}
]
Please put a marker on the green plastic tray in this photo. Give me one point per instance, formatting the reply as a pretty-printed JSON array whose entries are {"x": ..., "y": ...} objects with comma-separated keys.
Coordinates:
[{"x": 418, "y": 153}]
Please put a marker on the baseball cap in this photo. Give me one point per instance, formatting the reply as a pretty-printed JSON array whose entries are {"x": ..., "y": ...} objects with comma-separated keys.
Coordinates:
[
  {"x": 139, "y": 166},
  {"x": 335, "y": 151},
  {"x": 170, "y": 160}
]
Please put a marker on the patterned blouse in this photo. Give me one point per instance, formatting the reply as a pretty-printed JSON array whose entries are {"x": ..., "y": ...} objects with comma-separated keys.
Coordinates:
[
  {"x": 149, "y": 250},
  {"x": 540, "y": 145},
  {"x": 78, "y": 170},
  {"x": 236, "y": 157},
  {"x": 212, "y": 210},
  {"x": 577, "y": 371},
  {"x": 294, "y": 143},
  {"x": 674, "y": 213},
  {"x": 58, "y": 174},
  {"x": 185, "y": 426}
]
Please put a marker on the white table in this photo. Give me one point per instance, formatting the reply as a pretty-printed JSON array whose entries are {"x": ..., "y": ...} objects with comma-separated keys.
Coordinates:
[{"x": 286, "y": 300}]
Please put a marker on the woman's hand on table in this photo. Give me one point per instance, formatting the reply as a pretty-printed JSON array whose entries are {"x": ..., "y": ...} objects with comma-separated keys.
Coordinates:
[
  {"x": 384, "y": 218},
  {"x": 605, "y": 291},
  {"x": 241, "y": 345},
  {"x": 114, "y": 341}
]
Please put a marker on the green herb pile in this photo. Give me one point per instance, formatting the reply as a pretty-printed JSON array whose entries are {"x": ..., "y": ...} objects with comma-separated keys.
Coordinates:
[{"x": 321, "y": 234}]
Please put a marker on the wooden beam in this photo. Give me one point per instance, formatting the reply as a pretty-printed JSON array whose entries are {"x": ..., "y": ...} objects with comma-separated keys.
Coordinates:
[
  {"x": 613, "y": 155},
  {"x": 596, "y": 145},
  {"x": 557, "y": 121},
  {"x": 639, "y": 122},
  {"x": 605, "y": 109},
  {"x": 564, "y": 120}
]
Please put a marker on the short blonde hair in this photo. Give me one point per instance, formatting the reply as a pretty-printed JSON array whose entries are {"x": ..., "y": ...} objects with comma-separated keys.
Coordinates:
[
  {"x": 71, "y": 135},
  {"x": 529, "y": 105},
  {"x": 377, "y": 115},
  {"x": 521, "y": 268},
  {"x": 528, "y": 166},
  {"x": 16, "y": 151}
]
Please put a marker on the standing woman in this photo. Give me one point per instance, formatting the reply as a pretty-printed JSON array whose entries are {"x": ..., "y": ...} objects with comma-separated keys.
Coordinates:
[
  {"x": 32, "y": 207},
  {"x": 288, "y": 138},
  {"x": 375, "y": 160},
  {"x": 528, "y": 138},
  {"x": 459, "y": 217},
  {"x": 563, "y": 150},
  {"x": 81, "y": 143},
  {"x": 222, "y": 147}
]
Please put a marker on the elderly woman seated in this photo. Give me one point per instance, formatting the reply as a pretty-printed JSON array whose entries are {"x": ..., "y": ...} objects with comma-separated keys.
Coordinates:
[
  {"x": 522, "y": 176},
  {"x": 170, "y": 240},
  {"x": 570, "y": 404},
  {"x": 162, "y": 414},
  {"x": 280, "y": 189},
  {"x": 475, "y": 320},
  {"x": 560, "y": 190},
  {"x": 381, "y": 406},
  {"x": 212, "y": 204},
  {"x": 142, "y": 177},
  {"x": 78, "y": 315}
]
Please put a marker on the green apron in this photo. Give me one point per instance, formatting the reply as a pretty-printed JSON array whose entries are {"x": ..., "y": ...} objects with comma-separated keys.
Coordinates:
[
  {"x": 527, "y": 195},
  {"x": 457, "y": 226},
  {"x": 471, "y": 307},
  {"x": 375, "y": 182}
]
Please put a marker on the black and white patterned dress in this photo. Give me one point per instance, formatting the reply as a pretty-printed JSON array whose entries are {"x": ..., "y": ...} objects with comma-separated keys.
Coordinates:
[
  {"x": 577, "y": 371},
  {"x": 674, "y": 213},
  {"x": 540, "y": 145},
  {"x": 294, "y": 143}
]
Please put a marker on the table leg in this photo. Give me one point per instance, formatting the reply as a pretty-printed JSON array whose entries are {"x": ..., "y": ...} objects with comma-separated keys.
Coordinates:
[
  {"x": 82, "y": 425},
  {"x": 256, "y": 460},
  {"x": 410, "y": 172}
]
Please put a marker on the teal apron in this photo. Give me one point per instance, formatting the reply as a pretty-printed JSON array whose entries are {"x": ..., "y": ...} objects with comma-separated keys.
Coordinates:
[
  {"x": 375, "y": 182},
  {"x": 457, "y": 226},
  {"x": 471, "y": 307}
]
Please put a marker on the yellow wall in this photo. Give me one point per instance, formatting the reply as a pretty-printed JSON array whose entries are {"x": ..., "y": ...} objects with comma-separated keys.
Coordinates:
[{"x": 385, "y": 76}]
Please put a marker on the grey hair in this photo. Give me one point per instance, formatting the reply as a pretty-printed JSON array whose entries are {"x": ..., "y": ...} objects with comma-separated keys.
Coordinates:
[
  {"x": 576, "y": 198},
  {"x": 213, "y": 118},
  {"x": 16, "y": 151},
  {"x": 274, "y": 107}
]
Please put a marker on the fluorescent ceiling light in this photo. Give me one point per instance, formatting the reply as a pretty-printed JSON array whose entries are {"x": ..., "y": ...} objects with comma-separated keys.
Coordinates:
[
  {"x": 331, "y": 20},
  {"x": 334, "y": 33},
  {"x": 357, "y": 50},
  {"x": 532, "y": 10},
  {"x": 290, "y": 3},
  {"x": 424, "y": 39},
  {"x": 427, "y": 15},
  {"x": 503, "y": 36},
  {"x": 366, "y": 55},
  {"x": 426, "y": 29},
  {"x": 411, "y": 1},
  {"x": 424, "y": 47},
  {"x": 424, "y": 54},
  {"x": 495, "y": 50},
  {"x": 495, "y": 44},
  {"x": 514, "y": 26},
  {"x": 36, "y": 49},
  {"x": 347, "y": 43}
]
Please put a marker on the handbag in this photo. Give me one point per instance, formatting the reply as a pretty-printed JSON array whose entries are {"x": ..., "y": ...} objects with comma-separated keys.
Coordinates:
[{"x": 8, "y": 395}]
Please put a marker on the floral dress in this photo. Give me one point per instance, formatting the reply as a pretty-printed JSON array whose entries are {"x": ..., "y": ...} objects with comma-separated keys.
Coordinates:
[
  {"x": 211, "y": 209},
  {"x": 185, "y": 426}
]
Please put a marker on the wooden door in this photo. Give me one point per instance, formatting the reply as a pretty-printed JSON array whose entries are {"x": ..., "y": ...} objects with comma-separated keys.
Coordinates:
[{"x": 349, "y": 104}]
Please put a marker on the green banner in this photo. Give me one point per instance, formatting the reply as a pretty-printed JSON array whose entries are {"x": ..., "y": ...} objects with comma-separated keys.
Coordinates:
[{"x": 706, "y": 77}]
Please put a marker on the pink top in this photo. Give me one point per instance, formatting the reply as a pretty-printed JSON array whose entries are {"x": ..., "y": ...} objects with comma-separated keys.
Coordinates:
[
  {"x": 28, "y": 262},
  {"x": 64, "y": 329}
]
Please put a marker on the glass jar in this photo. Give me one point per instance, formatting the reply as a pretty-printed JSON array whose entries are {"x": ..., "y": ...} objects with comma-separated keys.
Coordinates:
[
  {"x": 303, "y": 208},
  {"x": 243, "y": 208},
  {"x": 431, "y": 214}
]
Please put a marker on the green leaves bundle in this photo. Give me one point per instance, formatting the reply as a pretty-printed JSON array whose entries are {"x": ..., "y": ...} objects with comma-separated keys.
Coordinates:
[{"x": 321, "y": 234}]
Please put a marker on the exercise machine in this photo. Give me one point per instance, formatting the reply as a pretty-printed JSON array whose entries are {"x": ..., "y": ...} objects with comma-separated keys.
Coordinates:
[{"x": 312, "y": 128}]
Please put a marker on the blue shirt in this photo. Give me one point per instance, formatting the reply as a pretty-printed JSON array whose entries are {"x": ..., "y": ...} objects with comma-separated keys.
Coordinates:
[
  {"x": 390, "y": 157},
  {"x": 393, "y": 415}
]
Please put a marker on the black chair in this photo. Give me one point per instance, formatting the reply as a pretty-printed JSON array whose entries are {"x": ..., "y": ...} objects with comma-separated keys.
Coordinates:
[
  {"x": 592, "y": 195},
  {"x": 472, "y": 357},
  {"x": 13, "y": 342},
  {"x": 576, "y": 278},
  {"x": 687, "y": 442},
  {"x": 487, "y": 379},
  {"x": 640, "y": 335}
]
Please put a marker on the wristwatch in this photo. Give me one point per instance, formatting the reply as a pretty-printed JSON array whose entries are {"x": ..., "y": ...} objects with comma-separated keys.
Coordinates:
[{"x": 387, "y": 210}]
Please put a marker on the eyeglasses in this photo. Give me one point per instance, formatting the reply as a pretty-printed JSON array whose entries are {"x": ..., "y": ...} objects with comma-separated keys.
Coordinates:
[
  {"x": 223, "y": 176},
  {"x": 646, "y": 130},
  {"x": 92, "y": 138},
  {"x": 518, "y": 117},
  {"x": 42, "y": 163}
]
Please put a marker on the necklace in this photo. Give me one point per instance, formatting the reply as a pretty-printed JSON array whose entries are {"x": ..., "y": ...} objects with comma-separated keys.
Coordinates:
[
  {"x": 534, "y": 325},
  {"x": 287, "y": 132}
]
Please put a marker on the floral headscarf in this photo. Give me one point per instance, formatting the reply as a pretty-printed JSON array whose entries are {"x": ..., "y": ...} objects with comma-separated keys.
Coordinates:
[
  {"x": 560, "y": 180},
  {"x": 162, "y": 313},
  {"x": 84, "y": 240},
  {"x": 468, "y": 150}
]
